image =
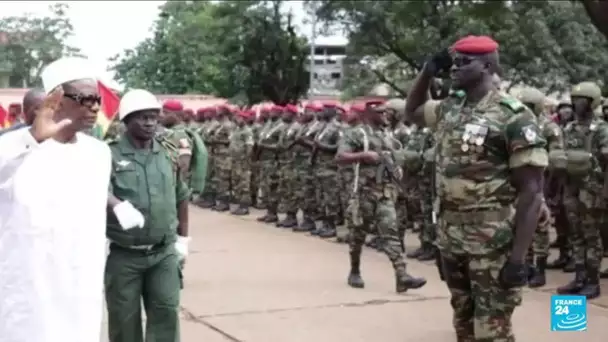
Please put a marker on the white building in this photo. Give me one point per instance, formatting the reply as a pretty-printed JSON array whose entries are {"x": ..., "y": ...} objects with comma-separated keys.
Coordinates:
[{"x": 327, "y": 70}]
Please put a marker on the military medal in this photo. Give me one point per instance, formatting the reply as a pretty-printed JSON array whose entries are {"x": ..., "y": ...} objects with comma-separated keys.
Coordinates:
[
  {"x": 479, "y": 141},
  {"x": 471, "y": 140},
  {"x": 466, "y": 136},
  {"x": 464, "y": 147}
]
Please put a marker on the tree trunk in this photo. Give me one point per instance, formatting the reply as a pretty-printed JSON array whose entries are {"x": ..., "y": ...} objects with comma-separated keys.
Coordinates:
[{"x": 597, "y": 10}]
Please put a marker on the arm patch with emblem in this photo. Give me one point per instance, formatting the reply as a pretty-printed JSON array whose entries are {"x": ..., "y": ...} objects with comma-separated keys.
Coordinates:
[{"x": 512, "y": 104}]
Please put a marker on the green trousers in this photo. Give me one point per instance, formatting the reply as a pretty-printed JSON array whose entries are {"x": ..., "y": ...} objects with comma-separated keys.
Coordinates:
[{"x": 135, "y": 275}]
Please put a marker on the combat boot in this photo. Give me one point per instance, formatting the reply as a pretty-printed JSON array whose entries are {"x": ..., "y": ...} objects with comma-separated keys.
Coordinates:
[
  {"x": 241, "y": 210},
  {"x": 562, "y": 260},
  {"x": 428, "y": 253},
  {"x": 539, "y": 278},
  {"x": 206, "y": 202},
  {"x": 576, "y": 285},
  {"x": 354, "y": 276},
  {"x": 270, "y": 217},
  {"x": 415, "y": 253},
  {"x": 290, "y": 221},
  {"x": 222, "y": 205},
  {"x": 328, "y": 230},
  {"x": 570, "y": 266},
  {"x": 592, "y": 287},
  {"x": 604, "y": 274},
  {"x": 307, "y": 225},
  {"x": 404, "y": 282}
]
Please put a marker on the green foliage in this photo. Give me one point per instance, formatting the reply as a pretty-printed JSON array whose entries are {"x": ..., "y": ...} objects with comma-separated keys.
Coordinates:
[
  {"x": 232, "y": 49},
  {"x": 34, "y": 42},
  {"x": 547, "y": 44}
]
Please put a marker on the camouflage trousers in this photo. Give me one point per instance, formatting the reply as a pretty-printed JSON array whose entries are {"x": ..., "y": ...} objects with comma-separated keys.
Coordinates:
[
  {"x": 210, "y": 185},
  {"x": 269, "y": 184},
  {"x": 255, "y": 182},
  {"x": 428, "y": 232},
  {"x": 330, "y": 194},
  {"x": 401, "y": 207},
  {"x": 305, "y": 190},
  {"x": 379, "y": 217},
  {"x": 287, "y": 188},
  {"x": 585, "y": 225},
  {"x": 241, "y": 182},
  {"x": 221, "y": 175},
  {"x": 482, "y": 307}
]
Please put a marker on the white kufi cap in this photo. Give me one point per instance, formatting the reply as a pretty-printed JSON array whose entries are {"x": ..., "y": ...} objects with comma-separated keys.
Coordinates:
[{"x": 65, "y": 70}]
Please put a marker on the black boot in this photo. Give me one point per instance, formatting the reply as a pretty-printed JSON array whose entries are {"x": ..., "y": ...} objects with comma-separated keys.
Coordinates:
[
  {"x": 592, "y": 287},
  {"x": 307, "y": 225},
  {"x": 539, "y": 278},
  {"x": 207, "y": 202},
  {"x": 575, "y": 286},
  {"x": 290, "y": 221},
  {"x": 354, "y": 277},
  {"x": 404, "y": 282},
  {"x": 570, "y": 266},
  {"x": 561, "y": 261},
  {"x": 241, "y": 210},
  {"x": 270, "y": 217},
  {"x": 329, "y": 229},
  {"x": 415, "y": 253},
  {"x": 222, "y": 205},
  {"x": 428, "y": 253}
]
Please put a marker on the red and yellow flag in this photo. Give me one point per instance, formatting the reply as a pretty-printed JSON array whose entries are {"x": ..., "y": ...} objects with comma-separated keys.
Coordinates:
[{"x": 107, "y": 112}]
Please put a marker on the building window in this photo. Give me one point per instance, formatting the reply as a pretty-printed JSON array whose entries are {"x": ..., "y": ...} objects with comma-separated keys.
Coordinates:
[{"x": 335, "y": 75}]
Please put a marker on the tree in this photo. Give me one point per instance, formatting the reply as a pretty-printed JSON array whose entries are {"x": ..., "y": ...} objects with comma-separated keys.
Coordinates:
[
  {"x": 33, "y": 42},
  {"x": 597, "y": 11},
  {"x": 541, "y": 41},
  {"x": 231, "y": 49}
]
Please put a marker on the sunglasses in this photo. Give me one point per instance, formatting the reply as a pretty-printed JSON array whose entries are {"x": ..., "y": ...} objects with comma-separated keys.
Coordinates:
[
  {"x": 462, "y": 61},
  {"x": 84, "y": 100}
]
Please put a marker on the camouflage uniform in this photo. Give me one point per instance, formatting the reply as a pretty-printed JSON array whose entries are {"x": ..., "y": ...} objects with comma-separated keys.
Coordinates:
[
  {"x": 326, "y": 172},
  {"x": 402, "y": 134},
  {"x": 178, "y": 136},
  {"x": 288, "y": 175},
  {"x": 211, "y": 189},
  {"x": 586, "y": 145},
  {"x": 416, "y": 143},
  {"x": 116, "y": 129},
  {"x": 305, "y": 189},
  {"x": 373, "y": 206},
  {"x": 535, "y": 100},
  {"x": 256, "y": 197},
  {"x": 241, "y": 146},
  {"x": 220, "y": 138},
  {"x": 477, "y": 145},
  {"x": 346, "y": 177},
  {"x": 269, "y": 181}
]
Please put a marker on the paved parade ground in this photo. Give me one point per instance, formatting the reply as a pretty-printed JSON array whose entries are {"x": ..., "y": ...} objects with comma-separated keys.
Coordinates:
[{"x": 252, "y": 282}]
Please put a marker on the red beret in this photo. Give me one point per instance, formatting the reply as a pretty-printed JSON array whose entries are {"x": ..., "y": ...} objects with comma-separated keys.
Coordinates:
[
  {"x": 277, "y": 108},
  {"x": 14, "y": 105},
  {"x": 189, "y": 112},
  {"x": 475, "y": 45},
  {"x": 201, "y": 111},
  {"x": 173, "y": 105},
  {"x": 357, "y": 108},
  {"x": 291, "y": 108}
]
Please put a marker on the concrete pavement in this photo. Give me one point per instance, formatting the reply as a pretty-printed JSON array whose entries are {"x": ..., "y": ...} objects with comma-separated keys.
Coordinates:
[{"x": 252, "y": 282}]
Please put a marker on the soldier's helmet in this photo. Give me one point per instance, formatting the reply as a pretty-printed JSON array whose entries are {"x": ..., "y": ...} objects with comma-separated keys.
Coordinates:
[
  {"x": 589, "y": 90},
  {"x": 533, "y": 98},
  {"x": 135, "y": 100}
]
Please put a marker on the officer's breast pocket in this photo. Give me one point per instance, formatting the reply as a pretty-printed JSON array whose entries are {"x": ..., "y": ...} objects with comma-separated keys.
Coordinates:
[
  {"x": 125, "y": 179},
  {"x": 162, "y": 181}
]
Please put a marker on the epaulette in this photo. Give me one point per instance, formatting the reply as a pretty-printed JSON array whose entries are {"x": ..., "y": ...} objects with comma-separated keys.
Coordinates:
[
  {"x": 513, "y": 104},
  {"x": 171, "y": 148}
]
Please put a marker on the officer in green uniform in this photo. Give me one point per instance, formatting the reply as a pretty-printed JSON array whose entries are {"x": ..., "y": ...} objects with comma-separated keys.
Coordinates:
[{"x": 144, "y": 262}]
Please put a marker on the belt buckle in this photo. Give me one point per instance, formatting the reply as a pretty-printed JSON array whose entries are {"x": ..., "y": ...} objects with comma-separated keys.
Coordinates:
[{"x": 146, "y": 248}]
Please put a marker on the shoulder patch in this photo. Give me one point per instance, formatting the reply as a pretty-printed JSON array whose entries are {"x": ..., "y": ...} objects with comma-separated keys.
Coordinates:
[{"x": 513, "y": 104}]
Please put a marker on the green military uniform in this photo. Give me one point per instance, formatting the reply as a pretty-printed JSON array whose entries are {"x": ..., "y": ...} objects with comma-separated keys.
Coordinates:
[
  {"x": 241, "y": 147},
  {"x": 256, "y": 198},
  {"x": 143, "y": 263},
  {"x": 288, "y": 175},
  {"x": 220, "y": 139},
  {"x": 535, "y": 100},
  {"x": 269, "y": 181},
  {"x": 210, "y": 192},
  {"x": 586, "y": 146},
  {"x": 373, "y": 206},
  {"x": 478, "y": 144}
]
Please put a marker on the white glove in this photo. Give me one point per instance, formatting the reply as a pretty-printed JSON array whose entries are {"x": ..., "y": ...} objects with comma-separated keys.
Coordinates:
[
  {"x": 128, "y": 216},
  {"x": 181, "y": 246}
]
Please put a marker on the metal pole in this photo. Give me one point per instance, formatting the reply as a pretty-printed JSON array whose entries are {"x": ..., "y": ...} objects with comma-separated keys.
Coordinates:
[{"x": 313, "y": 37}]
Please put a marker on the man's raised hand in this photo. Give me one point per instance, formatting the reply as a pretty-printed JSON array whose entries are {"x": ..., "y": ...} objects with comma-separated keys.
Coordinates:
[{"x": 45, "y": 125}]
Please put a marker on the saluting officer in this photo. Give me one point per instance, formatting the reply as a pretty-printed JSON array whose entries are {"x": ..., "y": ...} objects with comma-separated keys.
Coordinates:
[{"x": 144, "y": 263}]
